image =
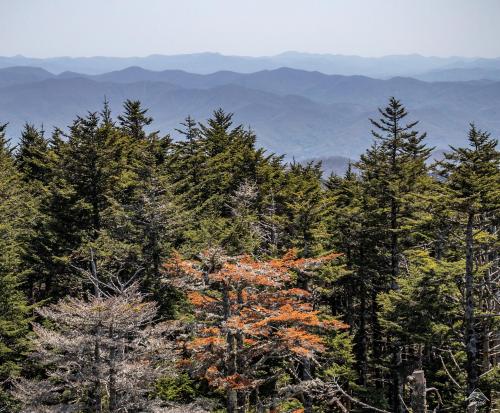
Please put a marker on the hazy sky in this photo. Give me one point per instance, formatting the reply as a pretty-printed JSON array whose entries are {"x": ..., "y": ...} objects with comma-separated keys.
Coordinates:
[{"x": 42, "y": 28}]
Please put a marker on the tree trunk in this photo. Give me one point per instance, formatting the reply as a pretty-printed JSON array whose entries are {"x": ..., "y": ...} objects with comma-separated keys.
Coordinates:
[
  {"x": 418, "y": 392},
  {"x": 97, "y": 345},
  {"x": 306, "y": 375},
  {"x": 113, "y": 402},
  {"x": 97, "y": 372},
  {"x": 394, "y": 244},
  {"x": 361, "y": 345},
  {"x": 240, "y": 396},
  {"x": 472, "y": 407},
  {"x": 231, "y": 395},
  {"x": 376, "y": 339},
  {"x": 469, "y": 317},
  {"x": 232, "y": 401},
  {"x": 397, "y": 380},
  {"x": 259, "y": 406}
]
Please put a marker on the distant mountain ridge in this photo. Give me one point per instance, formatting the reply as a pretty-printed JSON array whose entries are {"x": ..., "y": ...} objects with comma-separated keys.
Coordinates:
[
  {"x": 461, "y": 74},
  {"x": 205, "y": 63},
  {"x": 303, "y": 114}
]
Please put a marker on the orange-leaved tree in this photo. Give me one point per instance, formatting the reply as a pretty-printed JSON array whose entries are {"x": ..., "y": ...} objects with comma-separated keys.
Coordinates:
[{"x": 252, "y": 323}]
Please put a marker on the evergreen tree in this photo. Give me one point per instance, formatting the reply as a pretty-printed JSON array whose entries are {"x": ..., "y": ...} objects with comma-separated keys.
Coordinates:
[
  {"x": 424, "y": 315},
  {"x": 134, "y": 119},
  {"x": 208, "y": 169},
  {"x": 31, "y": 156},
  {"x": 245, "y": 235},
  {"x": 15, "y": 214},
  {"x": 417, "y": 281},
  {"x": 187, "y": 162},
  {"x": 473, "y": 175},
  {"x": 393, "y": 172},
  {"x": 403, "y": 161},
  {"x": 32, "y": 161},
  {"x": 87, "y": 169},
  {"x": 143, "y": 227},
  {"x": 305, "y": 207},
  {"x": 346, "y": 224}
]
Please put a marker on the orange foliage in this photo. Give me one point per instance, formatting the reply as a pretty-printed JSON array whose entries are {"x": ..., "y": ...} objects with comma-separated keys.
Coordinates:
[
  {"x": 298, "y": 292},
  {"x": 199, "y": 300},
  {"x": 212, "y": 373},
  {"x": 210, "y": 331},
  {"x": 287, "y": 314},
  {"x": 237, "y": 382},
  {"x": 176, "y": 266},
  {"x": 335, "y": 324},
  {"x": 206, "y": 341},
  {"x": 256, "y": 316},
  {"x": 301, "y": 342}
]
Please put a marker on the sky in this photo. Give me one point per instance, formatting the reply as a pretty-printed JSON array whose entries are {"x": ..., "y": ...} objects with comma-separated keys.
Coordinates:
[{"x": 48, "y": 28}]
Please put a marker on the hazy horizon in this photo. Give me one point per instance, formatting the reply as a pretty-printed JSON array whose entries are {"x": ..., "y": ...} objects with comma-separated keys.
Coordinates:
[
  {"x": 251, "y": 56},
  {"x": 125, "y": 28}
]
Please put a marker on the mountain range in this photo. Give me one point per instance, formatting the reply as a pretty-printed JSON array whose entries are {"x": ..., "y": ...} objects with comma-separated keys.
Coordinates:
[
  {"x": 304, "y": 114},
  {"x": 414, "y": 65}
]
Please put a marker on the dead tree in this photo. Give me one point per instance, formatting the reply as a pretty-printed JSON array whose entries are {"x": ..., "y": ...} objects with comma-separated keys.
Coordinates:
[
  {"x": 418, "y": 392},
  {"x": 100, "y": 354}
]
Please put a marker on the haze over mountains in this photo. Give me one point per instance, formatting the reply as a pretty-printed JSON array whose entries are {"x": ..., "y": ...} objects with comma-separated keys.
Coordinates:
[
  {"x": 430, "y": 68},
  {"x": 302, "y": 113}
]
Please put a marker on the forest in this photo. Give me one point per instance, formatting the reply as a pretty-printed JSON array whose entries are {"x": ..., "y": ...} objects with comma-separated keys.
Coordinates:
[{"x": 196, "y": 272}]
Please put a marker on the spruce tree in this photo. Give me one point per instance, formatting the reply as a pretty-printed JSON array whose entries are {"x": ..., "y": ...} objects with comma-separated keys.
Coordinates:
[
  {"x": 15, "y": 213},
  {"x": 305, "y": 208},
  {"x": 31, "y": 156},
  {"x": 424, "y": 315},
  {"x": 134, "y": 119},
  {"x": 346, "y": 225},
  {"x": 87, "y": 170},
  {"x": 224, "y": 158},
  {"x": 404, "y": 158},
  {"x": 473, "y": 175},
  {"x": 32, "y": 161},
  {"x": 187, "y": 162},
  {"x": 393, "y": 171}
]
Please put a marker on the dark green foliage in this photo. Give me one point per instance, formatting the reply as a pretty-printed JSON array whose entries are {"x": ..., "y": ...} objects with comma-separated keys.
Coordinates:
[
  {"x": 133, "y": 120},
  {"x": 417, "y": 281},
  {"x": 16, "y": 207},
  {"x": 389, "y": 210},
  {"x": 31, "y": 156},
  {"x": 473, "y": 178},
  {"x": 304, "y": 207},
  {"x": 213, "y": 170},
  {"x": 176, "y": 389}
]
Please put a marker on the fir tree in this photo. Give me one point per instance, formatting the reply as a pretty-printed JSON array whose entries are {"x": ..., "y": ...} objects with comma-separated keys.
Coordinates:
[
  {"x": 15, "y": 213},
  {"x": 31, "y": 156},
  {"x": 473, "y": 175},
  {"x": 134, "y": 119},
  {"x": 305, "y": 207},
  {"x": 393, "y": 172},
  {"x": 187, "y": 161}
]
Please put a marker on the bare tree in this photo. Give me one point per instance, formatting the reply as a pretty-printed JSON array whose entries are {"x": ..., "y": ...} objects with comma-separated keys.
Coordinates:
[{"x": 101, "y": 354}]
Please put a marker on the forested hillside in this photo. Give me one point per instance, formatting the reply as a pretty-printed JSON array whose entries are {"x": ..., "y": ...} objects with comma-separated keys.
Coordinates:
[
  {"x": 297, "y": 113},
  {"x": 197, "y": 272}
]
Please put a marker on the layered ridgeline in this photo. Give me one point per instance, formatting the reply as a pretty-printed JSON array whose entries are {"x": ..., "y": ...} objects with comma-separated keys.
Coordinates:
[
  {"x": 414, "y": 65},
  {"x": 302, "y": 114}
]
